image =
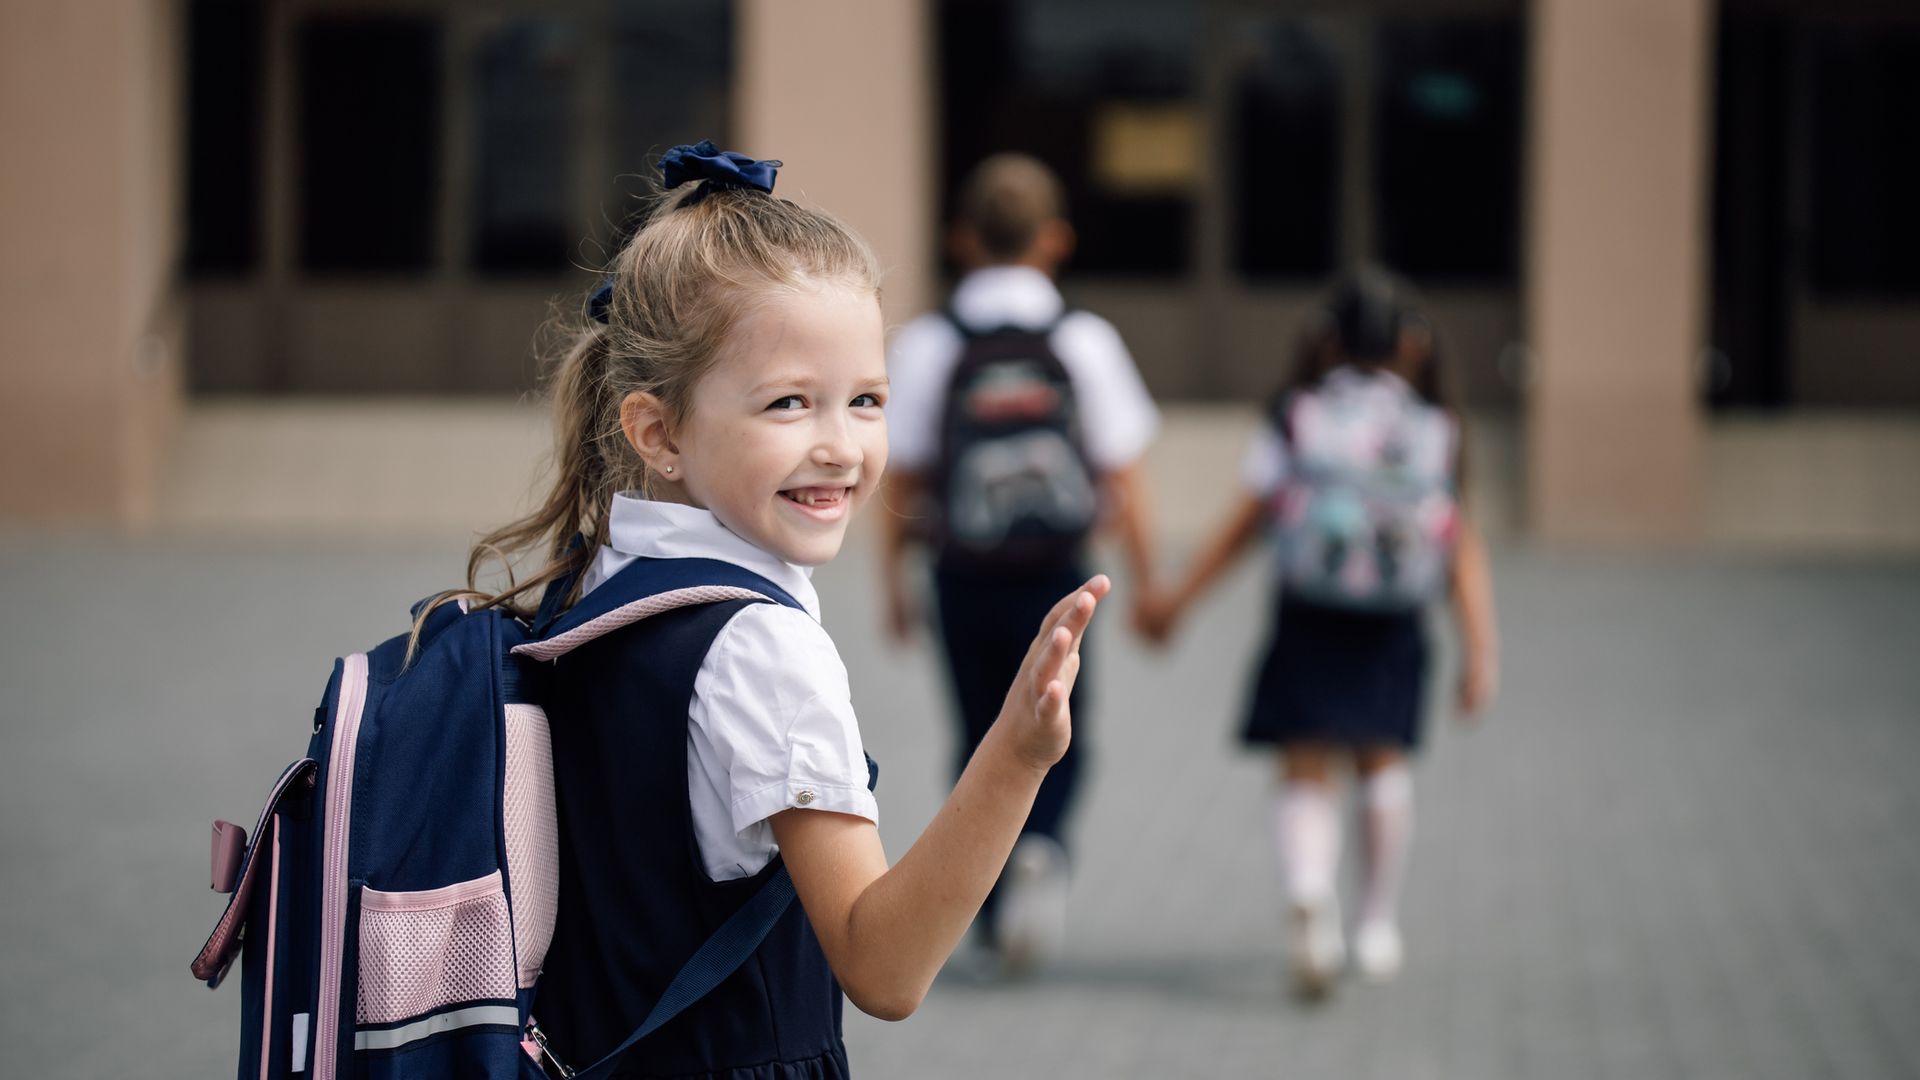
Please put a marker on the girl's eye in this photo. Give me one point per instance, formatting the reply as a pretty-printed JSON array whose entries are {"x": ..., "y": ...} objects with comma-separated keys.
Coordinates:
[
  {"x": 790, "y": 402},
  {"x": 867, "y": 401}
]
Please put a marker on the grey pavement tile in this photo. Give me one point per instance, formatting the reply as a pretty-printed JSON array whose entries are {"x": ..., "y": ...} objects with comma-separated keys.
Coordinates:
[{"x": 1681, "y": 846}]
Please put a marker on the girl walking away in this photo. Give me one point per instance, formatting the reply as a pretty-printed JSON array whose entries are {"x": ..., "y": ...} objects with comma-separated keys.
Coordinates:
[
  {"x": 1354, "y": 477},
  {"x": 720, "y": 421}
]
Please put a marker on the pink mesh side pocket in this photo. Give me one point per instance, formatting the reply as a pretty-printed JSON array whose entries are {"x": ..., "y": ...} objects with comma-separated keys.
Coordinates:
[
  {"x": 420, "y": 951},
  {"x": 533, "y": 836}
]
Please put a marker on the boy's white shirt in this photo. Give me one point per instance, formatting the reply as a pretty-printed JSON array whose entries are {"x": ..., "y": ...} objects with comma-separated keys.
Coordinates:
[
  {"x": 1117, "y": 416},
  {"x": 771, "y": 725}
]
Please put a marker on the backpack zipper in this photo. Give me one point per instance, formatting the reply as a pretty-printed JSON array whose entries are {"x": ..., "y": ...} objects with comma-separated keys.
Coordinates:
[{"x": 333, "y": 901}]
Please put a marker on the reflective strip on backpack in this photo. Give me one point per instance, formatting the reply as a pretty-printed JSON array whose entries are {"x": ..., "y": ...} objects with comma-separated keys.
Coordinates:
[{"x": 472, "y": 1016}]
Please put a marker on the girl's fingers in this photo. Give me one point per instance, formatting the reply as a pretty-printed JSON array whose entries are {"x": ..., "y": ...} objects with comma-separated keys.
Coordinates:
[
  {"x": 1053, "y": 702},
  {"x": 1080, "y": 616},
  {"x": 1078, "y": 605},
  {"x": 1059, "y": 645},
  {"x": 1072, "y": 613},
  {"x": 1042, "y": 635},
  {"x": 1096, "y": 586},
  {"x": 1070, "y": 671}
]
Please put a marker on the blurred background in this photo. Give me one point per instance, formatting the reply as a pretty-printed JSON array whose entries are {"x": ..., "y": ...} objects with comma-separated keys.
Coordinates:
[{"x": 273, "y": 277}]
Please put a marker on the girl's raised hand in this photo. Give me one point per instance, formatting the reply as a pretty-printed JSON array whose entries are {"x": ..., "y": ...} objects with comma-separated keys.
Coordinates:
[{"x": 1035, "y": 717}]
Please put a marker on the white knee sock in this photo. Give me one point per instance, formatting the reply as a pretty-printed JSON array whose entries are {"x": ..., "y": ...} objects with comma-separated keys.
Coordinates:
[
  {"x": 1306, "y": 825},
  {"x": 1387, "y": 812}
]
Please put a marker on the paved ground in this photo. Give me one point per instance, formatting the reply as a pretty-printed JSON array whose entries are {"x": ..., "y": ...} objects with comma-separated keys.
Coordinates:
[{"x": 1681, "y": 847}]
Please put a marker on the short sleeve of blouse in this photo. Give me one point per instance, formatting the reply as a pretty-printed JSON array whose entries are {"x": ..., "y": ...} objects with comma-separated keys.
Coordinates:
[
  {"x": 777, "y": 717},
  {"x": 1263, "y": 468}
]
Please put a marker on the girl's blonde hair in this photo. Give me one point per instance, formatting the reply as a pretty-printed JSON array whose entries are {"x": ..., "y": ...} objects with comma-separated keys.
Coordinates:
[{"x": 704, "y": 258}]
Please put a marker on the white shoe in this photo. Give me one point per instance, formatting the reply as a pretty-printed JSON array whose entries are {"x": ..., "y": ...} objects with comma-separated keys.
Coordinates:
[
  {"x": 1032, "y": 920},
  {"x": 1377, "y": 951},
  {"x": 1319, "y": 952}
]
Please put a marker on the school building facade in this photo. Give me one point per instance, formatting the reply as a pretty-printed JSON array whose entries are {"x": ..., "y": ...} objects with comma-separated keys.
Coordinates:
[{"x": 1645, "y": 227}]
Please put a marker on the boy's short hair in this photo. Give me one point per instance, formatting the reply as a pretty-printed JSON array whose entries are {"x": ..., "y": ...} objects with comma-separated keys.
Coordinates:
[{"x": 1006, "y": 199}]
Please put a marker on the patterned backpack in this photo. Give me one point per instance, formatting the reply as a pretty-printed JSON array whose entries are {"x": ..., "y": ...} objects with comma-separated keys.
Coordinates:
[
  {"x": 392, "y": 911},
  {"x": 1366, "y": 519}
]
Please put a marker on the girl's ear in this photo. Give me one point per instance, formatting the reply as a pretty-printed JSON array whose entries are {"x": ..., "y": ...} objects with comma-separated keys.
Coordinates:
[{"x": 643, "y": 418}]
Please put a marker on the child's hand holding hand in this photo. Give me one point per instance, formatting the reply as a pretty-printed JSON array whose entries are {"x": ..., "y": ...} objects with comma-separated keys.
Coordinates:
[
  {"x": 1154, "y": 613},
  {"x": 1035, "y": 717}
]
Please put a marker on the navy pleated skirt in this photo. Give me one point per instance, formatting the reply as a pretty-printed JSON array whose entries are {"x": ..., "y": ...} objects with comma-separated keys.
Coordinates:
[{"x": 1343, "y": 677}]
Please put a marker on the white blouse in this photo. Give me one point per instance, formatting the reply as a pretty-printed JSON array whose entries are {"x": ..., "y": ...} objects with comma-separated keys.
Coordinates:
[{"x": 771, "y": 723}]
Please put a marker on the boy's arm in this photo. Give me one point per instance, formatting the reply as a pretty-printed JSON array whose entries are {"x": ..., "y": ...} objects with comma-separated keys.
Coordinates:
[
  {"x": 901, "y": 500},
  {"x": 1126, "y": 492},
  {"x": 886, "y": 932},
  {"x": 1472, "y": 588}
]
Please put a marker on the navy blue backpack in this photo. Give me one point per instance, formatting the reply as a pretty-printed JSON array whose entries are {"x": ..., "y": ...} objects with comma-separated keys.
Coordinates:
[{"x": 393, "y": 907}]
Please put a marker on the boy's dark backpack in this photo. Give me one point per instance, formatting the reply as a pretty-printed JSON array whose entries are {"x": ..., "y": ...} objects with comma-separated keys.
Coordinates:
[
  {"x": 393, "y": 908},
  {"x": 1013, "y": 488}
]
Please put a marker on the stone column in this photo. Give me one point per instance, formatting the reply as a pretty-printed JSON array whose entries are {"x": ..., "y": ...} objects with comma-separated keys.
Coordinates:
[
  {"x": 90, "y": 330},
  {"x": 842, "y": 90},
  {"x": 1619, "y": 150}
]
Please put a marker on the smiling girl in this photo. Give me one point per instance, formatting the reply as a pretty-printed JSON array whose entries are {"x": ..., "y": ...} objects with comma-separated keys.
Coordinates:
[{"x": 723, "y": 406}]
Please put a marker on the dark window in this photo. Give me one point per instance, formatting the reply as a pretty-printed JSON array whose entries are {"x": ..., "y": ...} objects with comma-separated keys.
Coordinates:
[
  {"x": 1750, "y": 324},
  {"x": 369, "y": 143},
  {"x": 1285, "y": 172},
  {"x": 673, "y": 81},
  {"x": 1102, "y": 91},
  {"x": 1447, "y": 165},
  {"x": 223, "y": 136},
  {"x": 524, "y": 138},
  {"x": 1865, "y": 159}
]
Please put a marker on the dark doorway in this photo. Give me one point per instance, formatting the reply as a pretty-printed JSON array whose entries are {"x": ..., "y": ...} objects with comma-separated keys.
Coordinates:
[{"x": 1747, "y": 361}]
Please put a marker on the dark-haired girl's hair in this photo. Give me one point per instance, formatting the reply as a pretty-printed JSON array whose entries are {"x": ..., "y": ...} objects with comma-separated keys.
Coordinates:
[{"x": 1373, "y": 304}]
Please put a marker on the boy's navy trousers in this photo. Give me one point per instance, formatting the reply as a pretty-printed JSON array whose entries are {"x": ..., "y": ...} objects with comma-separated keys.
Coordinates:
[{"x": 987, "y": 621}]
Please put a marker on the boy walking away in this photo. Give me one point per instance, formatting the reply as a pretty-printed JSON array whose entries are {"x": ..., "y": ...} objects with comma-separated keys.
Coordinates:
[{"x": 1016, "y": 426}]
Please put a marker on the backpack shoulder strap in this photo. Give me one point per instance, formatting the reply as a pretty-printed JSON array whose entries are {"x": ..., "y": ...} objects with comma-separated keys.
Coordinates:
[
  {"x": 644, "y": 588},
  {"x": 972, "y": 333},
  {"x": 720, "y": 956}
]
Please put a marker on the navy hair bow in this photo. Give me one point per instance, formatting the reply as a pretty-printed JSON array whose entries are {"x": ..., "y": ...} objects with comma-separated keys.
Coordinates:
[
  {"x": 600, "y": 299},
  {"x": 720, "y": 169}
]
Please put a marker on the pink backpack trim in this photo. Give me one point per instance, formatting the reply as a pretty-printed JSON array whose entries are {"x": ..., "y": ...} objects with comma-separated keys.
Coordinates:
[
  {"x": 223, "y": 945},
  {"x": 626, "y": 615}
]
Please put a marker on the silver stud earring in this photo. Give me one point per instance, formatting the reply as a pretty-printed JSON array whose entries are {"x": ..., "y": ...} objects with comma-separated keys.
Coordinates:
[{"x": 669, "y": 470}]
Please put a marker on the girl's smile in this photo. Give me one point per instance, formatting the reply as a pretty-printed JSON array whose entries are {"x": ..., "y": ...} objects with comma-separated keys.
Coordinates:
[{"x": 820, "y": 503}]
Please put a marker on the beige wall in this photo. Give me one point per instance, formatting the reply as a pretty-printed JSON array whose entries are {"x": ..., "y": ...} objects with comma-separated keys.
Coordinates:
[
  {"x": 1618, "y": 146},
  {"x": 841, "y": 90},
  {"x": 89, "y": 326}
]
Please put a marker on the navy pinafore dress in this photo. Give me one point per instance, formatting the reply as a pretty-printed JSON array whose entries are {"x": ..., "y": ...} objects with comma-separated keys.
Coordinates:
[{"x": 635, "y": 901}]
